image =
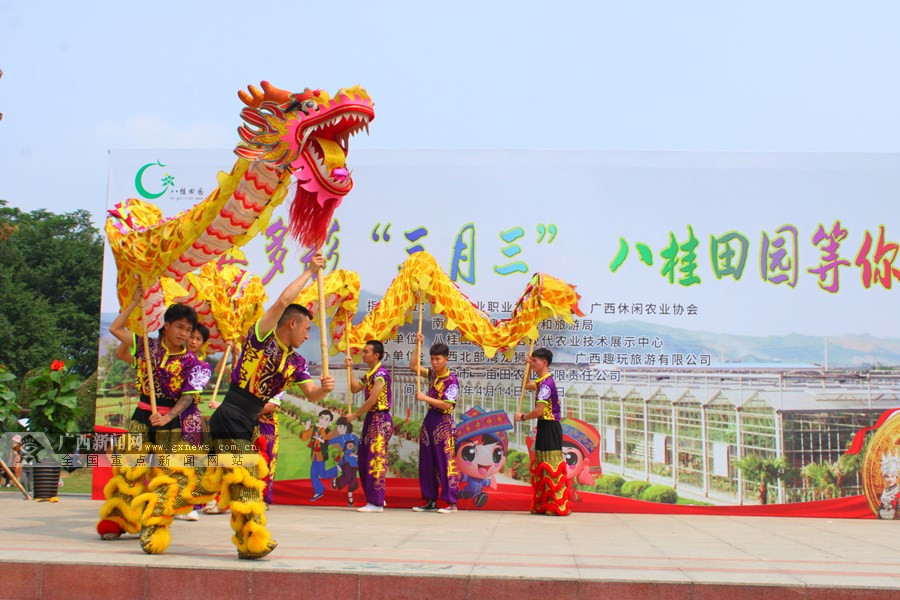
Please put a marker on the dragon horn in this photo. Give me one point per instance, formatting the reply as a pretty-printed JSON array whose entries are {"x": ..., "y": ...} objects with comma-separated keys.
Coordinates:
[{"x": 269, "y": 93}]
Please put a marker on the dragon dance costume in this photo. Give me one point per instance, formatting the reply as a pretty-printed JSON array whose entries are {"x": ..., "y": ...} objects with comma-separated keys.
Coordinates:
[
  {"x": 376, "y": 435},
  {"x": 437, "y": 449},
  {"x": 549, "y": 476}
]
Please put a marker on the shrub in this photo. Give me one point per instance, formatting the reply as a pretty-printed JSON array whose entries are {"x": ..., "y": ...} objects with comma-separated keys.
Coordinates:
[
  {"x": 660, "y": 493},
  {"x": 634, "y": 489},
  {"x": 610, "y": 484},
  {"x": 523, "y": 469}
]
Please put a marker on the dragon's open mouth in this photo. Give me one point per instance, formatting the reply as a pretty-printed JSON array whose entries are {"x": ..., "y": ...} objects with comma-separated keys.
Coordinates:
[{"x": 325, "y": 143}]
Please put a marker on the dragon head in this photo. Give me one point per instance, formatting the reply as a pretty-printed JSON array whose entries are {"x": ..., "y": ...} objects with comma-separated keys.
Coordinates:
[{"x": 307, "y": 135}]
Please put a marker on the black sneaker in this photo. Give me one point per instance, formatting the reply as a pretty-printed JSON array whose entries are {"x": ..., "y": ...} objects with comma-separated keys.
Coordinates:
[{"x": 430, "y": 506}]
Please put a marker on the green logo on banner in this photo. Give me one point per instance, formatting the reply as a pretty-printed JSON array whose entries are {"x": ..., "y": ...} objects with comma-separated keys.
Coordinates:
[{"x": 167, "y": 181}]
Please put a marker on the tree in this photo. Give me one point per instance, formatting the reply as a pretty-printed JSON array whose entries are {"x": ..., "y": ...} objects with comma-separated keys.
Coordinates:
[
  {"x": 764, "y": 471},
  {"x": 49, "y": 289},
  {"x": 824, "y": 477}
]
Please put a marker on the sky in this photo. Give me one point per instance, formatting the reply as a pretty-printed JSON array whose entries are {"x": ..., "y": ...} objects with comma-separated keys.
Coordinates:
[{"x": 81, "y": 78}]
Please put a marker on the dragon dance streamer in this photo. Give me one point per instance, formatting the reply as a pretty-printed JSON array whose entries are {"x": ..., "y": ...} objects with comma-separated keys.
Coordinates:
[
  {"x": 288, "y": 138},
  {"x": 545, "y": 297}
]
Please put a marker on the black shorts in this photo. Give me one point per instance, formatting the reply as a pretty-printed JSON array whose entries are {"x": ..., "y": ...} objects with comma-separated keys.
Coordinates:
[{"x": 237, "y": 417}]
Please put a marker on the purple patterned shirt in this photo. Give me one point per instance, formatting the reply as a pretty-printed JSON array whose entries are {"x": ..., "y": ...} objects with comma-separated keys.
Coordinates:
[
  {"x": 384, "y": 398},
  {"x": 444, "y": 388},
  {"x": 266, "y": 366},
  {"x": 174, "y": 373},
  {"x": 548, "y": 395}
]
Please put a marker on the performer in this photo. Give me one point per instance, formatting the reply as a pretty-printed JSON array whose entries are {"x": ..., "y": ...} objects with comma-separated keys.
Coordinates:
[
  {"x": 549, "y": 477},
  {"x": 437, "y": 461},
  {"x": 266, "y": 366},
  {"x": 377, "y": 427},
  {"x": 318, "y": 449},
  {"x": 177, "y": 378},
  {"x": 191, "y": 421}
]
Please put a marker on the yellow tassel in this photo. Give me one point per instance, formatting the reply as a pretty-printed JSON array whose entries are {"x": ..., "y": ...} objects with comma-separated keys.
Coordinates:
[
  {"x": 158, "y": 541},
  {"x": 262, "y": 469},
  {"x": 129, "y": 519},
  {"x": 257, "y": 537}
]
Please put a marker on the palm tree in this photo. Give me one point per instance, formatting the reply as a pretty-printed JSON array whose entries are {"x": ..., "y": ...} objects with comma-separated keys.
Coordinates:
[
  {"x": 763, "y": 471},
  {"x": 825, "y": 478}
]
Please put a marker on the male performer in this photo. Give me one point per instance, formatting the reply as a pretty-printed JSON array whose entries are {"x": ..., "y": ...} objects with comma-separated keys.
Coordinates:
[
  {"x": 177, "y": 377},
  {"x": 267, "y": 364},
  {"x": 377, "y": 427},
  {"x": 437, "y": 462},
  {"x": 549, "y": 476}
]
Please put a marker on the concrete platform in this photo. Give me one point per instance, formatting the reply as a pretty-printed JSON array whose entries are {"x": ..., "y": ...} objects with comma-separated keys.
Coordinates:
[{"x": 52, "y": 551}]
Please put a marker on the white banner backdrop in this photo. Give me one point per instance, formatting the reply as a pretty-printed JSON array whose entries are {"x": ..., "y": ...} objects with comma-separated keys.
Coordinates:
[{"x": 751, "y": 258}]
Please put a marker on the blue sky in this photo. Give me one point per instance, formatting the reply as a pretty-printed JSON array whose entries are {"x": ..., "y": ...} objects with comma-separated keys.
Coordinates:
[{"x": 80, "y": 78}]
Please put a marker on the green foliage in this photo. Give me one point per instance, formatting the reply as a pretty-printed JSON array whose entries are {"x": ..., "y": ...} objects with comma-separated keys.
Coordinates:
[
  {"x": 764, "y": 471},
  {"x": 408, "y": 429},
  {"x": 53, "y": 404},
  {"x": 87, "y": 402},
  {"x": 520, "y": 465},
  {"x": 610, "y": 484},
  {"x": 9, "y": 409},
  {"x": 49, "y": 289},
  {"x": 824, "y": 477},
  {"x": 660, "y": 493},
  {"x": 634, "y": 489}
]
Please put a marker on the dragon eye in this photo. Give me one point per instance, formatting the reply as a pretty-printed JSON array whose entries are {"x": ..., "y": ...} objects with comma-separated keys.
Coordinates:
[{"x": 310, "y": 104}]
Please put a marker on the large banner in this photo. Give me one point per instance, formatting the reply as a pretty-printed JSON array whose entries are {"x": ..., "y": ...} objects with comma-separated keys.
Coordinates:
[{"x": 739, "y": 323}]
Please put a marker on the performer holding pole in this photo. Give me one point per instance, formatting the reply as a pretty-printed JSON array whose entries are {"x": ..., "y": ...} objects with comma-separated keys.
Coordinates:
[
  {"x": 437, "y": 439},
  {"x": 267, "y": 365},
  {"x": 174, "y": 377},
  {"x": 549, "y": 473},
  {"x": 378, "y": 426}
]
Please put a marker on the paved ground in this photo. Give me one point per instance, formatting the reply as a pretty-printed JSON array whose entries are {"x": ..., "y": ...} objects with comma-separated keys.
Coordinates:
[{"x": 478, "y": 548}]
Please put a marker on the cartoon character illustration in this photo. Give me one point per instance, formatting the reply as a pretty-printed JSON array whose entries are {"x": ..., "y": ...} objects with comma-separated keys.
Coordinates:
[
  {"x": 481, "y": 445},
  {"x": 348, "y": 442},
  {"x": 318, "y": 447},
  {"x": 581, "y": 448},
  {"x": 890, "y": 467}
]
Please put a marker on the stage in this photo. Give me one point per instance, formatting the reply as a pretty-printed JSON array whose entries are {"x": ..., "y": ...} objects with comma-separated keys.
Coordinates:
[{"x": 52, "y": 551}]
